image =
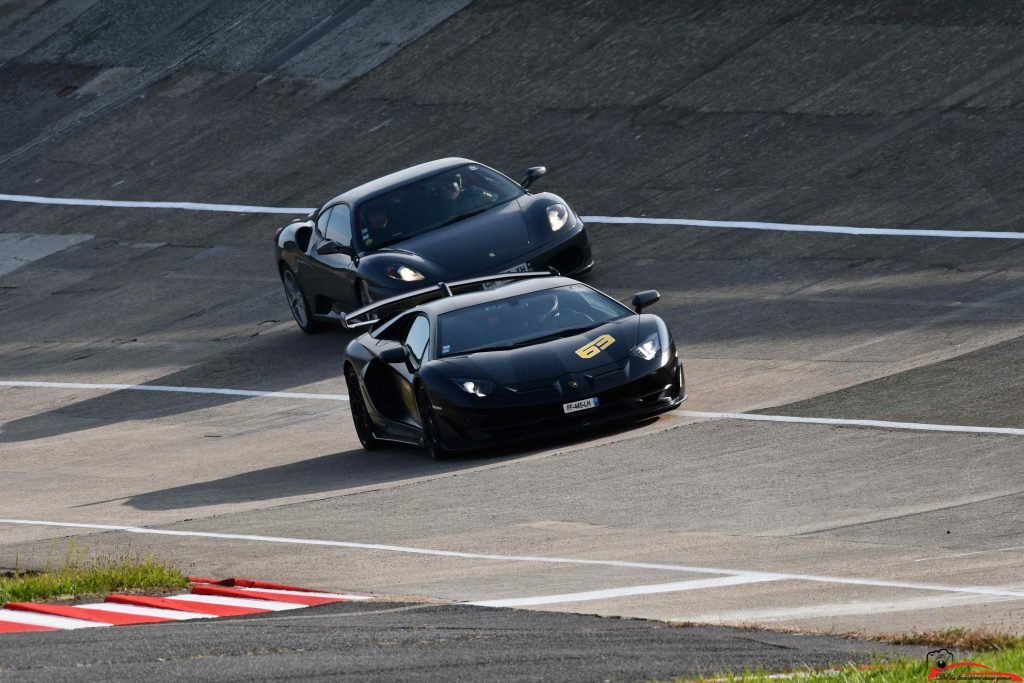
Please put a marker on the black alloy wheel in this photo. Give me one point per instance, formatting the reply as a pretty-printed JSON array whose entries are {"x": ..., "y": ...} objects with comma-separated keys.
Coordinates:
[
  {"x": 297, "y": 302},
  {"x": 431, "y": 429},
  {"x": 360, "y": 414}
]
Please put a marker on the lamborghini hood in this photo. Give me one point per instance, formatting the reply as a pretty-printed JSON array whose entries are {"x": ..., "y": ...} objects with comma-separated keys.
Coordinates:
[{"x": 594, "y": 353}]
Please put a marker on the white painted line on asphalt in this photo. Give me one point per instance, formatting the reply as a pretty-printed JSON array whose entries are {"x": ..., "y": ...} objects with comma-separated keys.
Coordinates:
[
  {"x": 609, "y": 593},
  {"x": 117, "y": 607},
  {"x": 918, "y": 426},
  {"x": 175, "y": 390},
  {"x": 628, "y": 220},
  {"x": 838, "y": 422},
  {"x": 842, "y": 609},
  {"x": 188, "y": 206},
  {"x": 48, "y": 620},
  {"x": 841, "y": 580},
  {"x": 793, "y": 227},
  {"x": 268, "y": 605}
]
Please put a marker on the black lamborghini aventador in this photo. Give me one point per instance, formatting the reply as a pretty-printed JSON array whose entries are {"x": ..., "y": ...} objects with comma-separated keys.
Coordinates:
[
  {"x": 444, "y": 220},
  {"x": 468, "y": 364}
]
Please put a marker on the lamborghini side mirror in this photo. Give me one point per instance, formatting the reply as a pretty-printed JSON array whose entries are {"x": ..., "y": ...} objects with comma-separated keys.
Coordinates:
[
  {"x": 531, "y": 175},
  {"x": 396, "y": 354},
  {"x": 642, "y": 300}
]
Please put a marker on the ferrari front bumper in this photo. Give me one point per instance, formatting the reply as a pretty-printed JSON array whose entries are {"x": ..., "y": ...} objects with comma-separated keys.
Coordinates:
[{"x": 570, "y": 257}]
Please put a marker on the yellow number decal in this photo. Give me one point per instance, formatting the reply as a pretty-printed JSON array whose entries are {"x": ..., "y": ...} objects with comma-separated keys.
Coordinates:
[{"x": 593, "y": 348}]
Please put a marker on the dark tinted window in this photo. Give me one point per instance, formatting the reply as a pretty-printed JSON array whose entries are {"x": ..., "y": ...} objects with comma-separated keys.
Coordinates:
[
  {"x": 431, "y": 203},
  {"x": 339, "y": 225},
  {"x": 519, "y": 320},
  {"x": 321, "y": 221},
  {"x": 419, "y": 335}
]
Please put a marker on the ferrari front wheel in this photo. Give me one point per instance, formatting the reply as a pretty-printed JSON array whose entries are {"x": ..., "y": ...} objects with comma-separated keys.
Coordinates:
[
  {"x": 297, "y": 302},
  {"x": 360, "y": 414},
  {"x": 431, "y": 429},
  {"x": 365, "y": 299},
  {"x": 364, "y": 294}
]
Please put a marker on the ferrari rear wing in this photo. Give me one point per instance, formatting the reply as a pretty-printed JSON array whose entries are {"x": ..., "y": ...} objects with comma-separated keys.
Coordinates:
[{"x": 385, "y": 309}]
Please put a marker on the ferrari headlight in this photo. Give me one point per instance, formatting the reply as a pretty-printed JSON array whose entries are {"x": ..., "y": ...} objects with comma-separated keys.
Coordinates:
[
  {"x": 402, "y": 272},
  {"x": 477, "y": 387},
  {"x": 558, "y": 216},
  {"x": 648, "y": 348}
]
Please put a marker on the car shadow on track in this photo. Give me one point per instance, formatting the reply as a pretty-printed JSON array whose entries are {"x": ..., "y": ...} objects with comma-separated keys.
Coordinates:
[
  {"x": 279, "y": 361},
  {"x": 347, "y": 471}
]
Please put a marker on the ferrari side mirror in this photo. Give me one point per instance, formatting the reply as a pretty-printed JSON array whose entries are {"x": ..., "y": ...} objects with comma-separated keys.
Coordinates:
[
  {"x": 642, "y": 300},
  {"x": 396, "y": 354},
  {"x": 531, "y": 175},
  {"x": 332, "y": 247},
  {"x": 327, "y": 248}
]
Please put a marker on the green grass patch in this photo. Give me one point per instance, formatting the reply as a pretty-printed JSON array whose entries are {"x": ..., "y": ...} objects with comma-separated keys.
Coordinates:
[
  {"x": 902, "y": 670},
  {"x": 76, "y": 574}
]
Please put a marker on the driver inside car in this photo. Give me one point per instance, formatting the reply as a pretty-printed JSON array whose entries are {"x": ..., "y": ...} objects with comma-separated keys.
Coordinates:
[
  {"x": 463, "y": 197},
  {"x": 375, "y": 226},
  {"x": 543, "y": 311}
]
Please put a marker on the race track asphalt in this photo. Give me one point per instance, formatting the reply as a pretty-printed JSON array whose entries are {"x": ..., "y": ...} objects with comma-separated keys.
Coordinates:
[{"x": 860, "y": 114}]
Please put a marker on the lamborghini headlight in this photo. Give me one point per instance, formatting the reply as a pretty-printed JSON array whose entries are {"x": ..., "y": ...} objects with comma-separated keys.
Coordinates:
[
  {"x": 398, "y": 271},
  {"x": 648, "y": 348},
  {"x": 477, "y": 387},
  {"x": 558, "y": 216}
]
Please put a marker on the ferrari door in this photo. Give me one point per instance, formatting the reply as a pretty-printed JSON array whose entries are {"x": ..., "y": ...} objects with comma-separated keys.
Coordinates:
[{"x": 330, "y": 272}]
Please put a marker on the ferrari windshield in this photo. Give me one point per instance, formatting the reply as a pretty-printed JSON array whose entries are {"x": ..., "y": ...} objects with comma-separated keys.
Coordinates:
[
  {"x": 525, "y": 319},
  {"x": 430, "y": 203}
]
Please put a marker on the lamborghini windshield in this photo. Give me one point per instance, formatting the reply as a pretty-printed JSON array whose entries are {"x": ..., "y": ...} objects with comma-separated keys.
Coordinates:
[
  {"x": 525, "y": 319},
  {"x": 431, "y": 203}
]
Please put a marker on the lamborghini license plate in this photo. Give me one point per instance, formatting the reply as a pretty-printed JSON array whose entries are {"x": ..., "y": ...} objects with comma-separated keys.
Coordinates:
[{"x": 575, "y": 406}]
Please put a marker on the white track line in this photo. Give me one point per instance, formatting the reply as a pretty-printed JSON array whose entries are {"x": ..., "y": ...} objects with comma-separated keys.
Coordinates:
[
  {"x": 268, "y": 605},
  {"x": 188, "y": 206},
  {"x": 629, "y": 220},
  {"x": 842, "y": 609},
  {"x": 883, "y": 424},
  {"x": 158, "y": 612},
  {"x": 852, "y": 581},
  {"x": 792, "y": 227},
  {"x": 175, "y": 390},
  {"x": 1014, "y": 431},
  {"x": 48, "y": 620},
  {"x": 609, "y": 593}
]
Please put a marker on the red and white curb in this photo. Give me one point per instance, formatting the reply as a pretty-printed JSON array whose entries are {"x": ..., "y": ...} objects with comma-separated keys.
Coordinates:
[{"x": 209, "y": 599}]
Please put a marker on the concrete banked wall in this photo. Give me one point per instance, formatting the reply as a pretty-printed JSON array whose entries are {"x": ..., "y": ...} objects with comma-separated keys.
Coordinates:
[{"x": 854, "y": 113}]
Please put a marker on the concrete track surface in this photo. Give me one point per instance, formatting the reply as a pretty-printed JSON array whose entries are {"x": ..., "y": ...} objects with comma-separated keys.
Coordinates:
[{"x": 872, "y": 114}]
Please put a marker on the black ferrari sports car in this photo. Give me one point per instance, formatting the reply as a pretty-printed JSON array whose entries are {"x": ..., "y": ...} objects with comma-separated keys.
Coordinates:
[
  {"x": 444, "y": 220},
  {"x": 496, "y": 359}
]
